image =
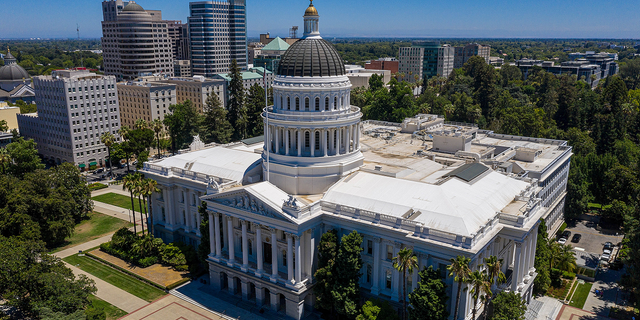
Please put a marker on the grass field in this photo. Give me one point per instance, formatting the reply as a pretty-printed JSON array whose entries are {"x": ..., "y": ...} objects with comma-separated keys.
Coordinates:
[
  {"x": 580, "y": 295},
  {"x": 112, "y": 312},
  {"x": 125, "y": 282},
  {"x": 97, "y": 226},
  {"x": 118, "y": 200}
]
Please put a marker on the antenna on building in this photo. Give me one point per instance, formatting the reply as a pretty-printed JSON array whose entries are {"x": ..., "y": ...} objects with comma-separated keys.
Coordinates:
[
  {"x": 81, "y": 55},
  {"x": 293, "y": 32}
]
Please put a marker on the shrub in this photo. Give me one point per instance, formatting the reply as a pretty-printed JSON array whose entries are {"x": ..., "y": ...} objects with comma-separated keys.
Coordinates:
[
  {"x": 95, "y": 313},
  {"x": 148, "y": 261},
  {"x": 568, "y": 275},
  {"x": 172, "y": 255},
  {"x": 93, "y": 167},
  {"x": 556, "y": 281},
  {"x": 182, "y": 267},
  {"x": 97, "y": 186},
  {"x": 123, "y": 239}
]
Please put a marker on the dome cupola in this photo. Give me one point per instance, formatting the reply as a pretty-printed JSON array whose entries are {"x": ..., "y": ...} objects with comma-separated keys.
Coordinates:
[{"x": 12, "y": 71}]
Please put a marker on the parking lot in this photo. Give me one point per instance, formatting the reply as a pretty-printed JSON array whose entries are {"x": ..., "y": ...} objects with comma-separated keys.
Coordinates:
[{"x": 589, "y": 248}]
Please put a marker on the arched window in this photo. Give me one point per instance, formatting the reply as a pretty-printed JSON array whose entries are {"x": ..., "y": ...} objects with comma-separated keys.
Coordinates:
[
  {"x": 306, "y": 104},
  {"x": 326, "y": 104},
  {"x": 317, "y": 144},
  {"x": 288, "y": 103},
  {"x": 306, "y": 139},
  {"x": 388, "y": 279},
  {"x": 317, "y": 104},
  {"x": 297, "y": 104},
  {"x": 281, "y": 102},
  {"x": 335, "y": 103}
]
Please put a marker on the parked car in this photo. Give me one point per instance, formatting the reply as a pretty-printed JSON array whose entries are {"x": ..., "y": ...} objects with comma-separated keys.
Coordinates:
[
  {"x": 607, "y": 251},
  {"x": 101, "y": 170},
  {"x": 562, "y": 241},
  {"x": 566, "y": 234},
  {"x": 608, "y": 246},
  {"x": 576, "y": 238},
  {"x": 605, "y": 257}
]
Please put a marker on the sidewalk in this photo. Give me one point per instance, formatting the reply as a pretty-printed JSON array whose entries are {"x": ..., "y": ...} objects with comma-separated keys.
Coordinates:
[
  {"x": 550, "y": 309},
  {"x": 607, "y": 282}
]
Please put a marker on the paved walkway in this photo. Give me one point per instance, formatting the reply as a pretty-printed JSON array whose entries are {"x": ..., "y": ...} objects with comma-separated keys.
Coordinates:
[
  {"x": 171, "y": 307},
  {"x": 550, "y": 309},
  {"x": 85, "y": 246},
  {"x": 606, "y": 281},
  {"x": 571, "y": 313}
]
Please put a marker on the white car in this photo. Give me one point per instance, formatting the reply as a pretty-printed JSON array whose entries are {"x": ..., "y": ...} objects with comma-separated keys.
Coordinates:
[
  {"x": 607, "y": 251},
  {"x": 562, "y": 241},
  {"x": 605, "y": 257}
]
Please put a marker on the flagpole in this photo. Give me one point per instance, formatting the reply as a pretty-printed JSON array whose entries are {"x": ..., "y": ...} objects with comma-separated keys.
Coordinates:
[{"x": 266, "y": 110}]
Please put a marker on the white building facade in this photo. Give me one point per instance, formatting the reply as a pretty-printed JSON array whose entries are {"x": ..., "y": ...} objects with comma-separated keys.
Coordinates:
[{"x": 441, "y": 189}]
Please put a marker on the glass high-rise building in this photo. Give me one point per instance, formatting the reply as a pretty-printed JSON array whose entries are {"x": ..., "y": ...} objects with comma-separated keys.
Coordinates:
[{"x": 218, "y": 35}]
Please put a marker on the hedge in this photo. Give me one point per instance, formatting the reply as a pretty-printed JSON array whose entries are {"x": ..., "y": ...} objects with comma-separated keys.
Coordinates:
[{"x": 97, "y": 186}]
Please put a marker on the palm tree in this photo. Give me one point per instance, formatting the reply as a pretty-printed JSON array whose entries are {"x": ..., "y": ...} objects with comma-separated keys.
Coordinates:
[
  {"x": 140, "y": 124},
  {"x": 137, "y": 191},
  {"x": 448, "y": 110},
  {"x": 459, "y": 268},
  {"x": 124, "y": 132},
  {"x": 108, "y": 139},
  {"x": 157, "y": 127},
  {"x": 565, "y": 259},
  {"x": 149, "y": 186},
  {"x": 128, "y": 184},
  {"x": 493, "y": 270},
  {"x": 405, "y": 262},
  {"x": 479, "y": 284}
]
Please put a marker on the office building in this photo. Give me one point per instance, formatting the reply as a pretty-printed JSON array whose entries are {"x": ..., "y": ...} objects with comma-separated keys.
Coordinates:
[
  {"x": 197, "y": 89},
  {"x": 458, "y": 190},
  {"x": 144, "y": 99},
  {"x": 15, "y": 81},
  {"x": 249, "y": 78},
  {"x": 410, "y": 64},
  {"x": 135, "y": 42},
  {"x": 182, "y": 68},
  {"x": 269, "y": 56},
  {"x": 390, "y": 64},
  {"x": 75, "y": 107},
  {"x": 425, "y": 60},
  {"x": 584, "y": 70},
  {"x": 218, "y": 35},
  {"x": 462, "y": 54}
]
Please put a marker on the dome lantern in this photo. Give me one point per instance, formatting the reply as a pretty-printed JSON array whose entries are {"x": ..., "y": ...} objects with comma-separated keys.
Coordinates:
[{"x": 311, "y": 19}]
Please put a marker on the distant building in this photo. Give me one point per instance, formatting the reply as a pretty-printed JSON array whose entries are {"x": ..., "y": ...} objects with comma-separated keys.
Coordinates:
[
  {"x": 591, "y": 73},
  {"x": 15, "y": 82},
  {"x": 10, "y": 115},
  {"x": 424, "y": 60},
  {"x": 143, "y": 99},
  {"x": 198, "y": 89},
  {"x": 269, "y": 56},
  {"x": 496, "y": 61},
  {"x": 462, "y": 54},
  {"x": 249, "y": 78},
  {"x": 75, "y": 107},
  {"x": 360, "y": 77},
  {"x": 179, "y": 37},
  {"x": 5, "y": 139},
  {"x": 390, "y": 64},
  {"x": 135, "y": 42},
  {"x": 182, "y": 68},
  {"x": 214, "y": 45}
]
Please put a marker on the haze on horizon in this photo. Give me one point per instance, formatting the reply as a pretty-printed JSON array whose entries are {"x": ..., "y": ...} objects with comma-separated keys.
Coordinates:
[{"x": 373, "y": 18}]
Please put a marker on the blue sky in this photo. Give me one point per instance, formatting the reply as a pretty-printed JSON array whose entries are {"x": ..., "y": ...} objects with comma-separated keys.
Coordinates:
[{"x": 357, "y": 18}]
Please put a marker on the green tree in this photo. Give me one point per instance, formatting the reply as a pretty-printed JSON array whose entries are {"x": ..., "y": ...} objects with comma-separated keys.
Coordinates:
[
  {"x": 429, "y": 299},
  {"x": 405, "y": 262},
  {"x": 325, "y": 274},
  {"x": 254, "y": 105},
  {"x": 183, "y": 124},
  {"x": 31, "y": 279},
  {"x": 204, "y": 248},
  {"x": 376, "y": 82},
  {"x": 378, "y": 309},
  {"x": 346, "y": 289},
  {"x": 108, "y": 140},
  {"x": 157, "y": 127},
  {"x": 129, "y": 184},
  {"x": 147, "y": 188},
  {"x": 543, "y": 280},
  {"x": 236, "y": 106},
  {"x": 215, "y": 126},
  {"x": 24, "y": 157},
  {"x": 480, "y": 288},
  {"x": 369, "y": 311},
  {"x": 3, "y": 126},
  {"x": 459, "y": 269},
  {"x": 508, "y": 306}
]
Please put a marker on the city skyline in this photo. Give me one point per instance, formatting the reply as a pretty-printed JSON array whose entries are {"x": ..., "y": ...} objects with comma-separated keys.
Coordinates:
[{"x": 460, "y": 19}]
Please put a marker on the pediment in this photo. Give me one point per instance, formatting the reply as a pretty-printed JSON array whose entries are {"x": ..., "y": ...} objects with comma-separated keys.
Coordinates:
[{"x": 247, "y": 201}]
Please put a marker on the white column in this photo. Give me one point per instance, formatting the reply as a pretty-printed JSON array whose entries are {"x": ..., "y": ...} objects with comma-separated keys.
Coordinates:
[
  {"x": 313, "y": 143},
  {"x": 290, "y": 259},
  {"x": 348, "y": 139},
  {"x": 324, "y": 141},
  {"x": 395, "y": 277},
  {"x": 338, "y": 142},
  {"x": 245, "y": 247},
  {"x": 517, "y": 276},
  {"x": 358, "y": 136},
  {"x": 298, "y": 259},
  {"x": 232, "y": 253},
  {"x": 259, "y": 257},
  {"x": 274, "y": 256},
  {"x": 216, "y": 221},
  {"x": 534, "y": 245},
  {"x": 213, "y": 240},
  {"x": 299, "y": 142},
  {"x": 286, "y": 141},
  {"x": 312, "y": 250},
  {"x": 375, "y": 278},
  {"x": 277, "y": 132}
]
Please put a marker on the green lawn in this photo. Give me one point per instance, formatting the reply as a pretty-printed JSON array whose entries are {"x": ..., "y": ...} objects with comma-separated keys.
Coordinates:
[
  {"x": 580, "y": 295},
  {"x": 561, "y": 292},
  {"x": 111, "y": 311},
  {"x": 118, "y": 200},
  {"x": 125, "y": 282},
  {"x": 97, "y": 226}
]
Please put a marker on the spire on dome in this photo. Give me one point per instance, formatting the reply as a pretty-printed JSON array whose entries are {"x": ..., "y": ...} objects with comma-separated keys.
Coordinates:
[
  {"x": 311, "y": 10},
  {"x": 9, "y": 59},
  {"x": 311, "y": 18}
]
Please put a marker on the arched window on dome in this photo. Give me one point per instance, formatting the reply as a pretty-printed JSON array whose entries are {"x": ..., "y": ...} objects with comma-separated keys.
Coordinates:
[
  {"x": 306, "y": 104},
  {"x": 317, "y": 104},
  {"x": 288, "y": 103},
  {"x": 306, "y": 139},
  {"x": 335, "y": 103},
  {"x": 297, "y": 104},
  {"x": 326, "y": 104},
  {"x": 317, "y": 140},
  {"x": 281, "y": 102}
]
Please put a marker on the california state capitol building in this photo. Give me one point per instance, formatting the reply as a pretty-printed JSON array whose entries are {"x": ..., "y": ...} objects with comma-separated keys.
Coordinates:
[{"x": 442, "y": 189}]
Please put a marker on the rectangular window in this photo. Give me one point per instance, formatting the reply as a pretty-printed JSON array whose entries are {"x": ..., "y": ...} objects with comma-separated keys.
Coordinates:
[
  {"x": 389, "y": 252},
  {"x": 369, "y": 247}
]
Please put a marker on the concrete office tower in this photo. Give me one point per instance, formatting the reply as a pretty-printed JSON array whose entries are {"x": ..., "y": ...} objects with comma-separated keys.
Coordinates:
[
  {"x": 462, "y": 54},
  {"x": 410, "y": 63},
  {"x": 217, "y": 31},
  {"x": 425, "y": 60},
  {"x": 144, "y": 99},
  {"x": 135, "y": 41},
  {"x": 75, "y": 107}
]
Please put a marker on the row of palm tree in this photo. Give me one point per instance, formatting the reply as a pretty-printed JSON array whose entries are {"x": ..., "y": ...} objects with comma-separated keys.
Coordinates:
[
  {"x": 480, "y": 281},
  {"x": 141, "y": 188}
]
